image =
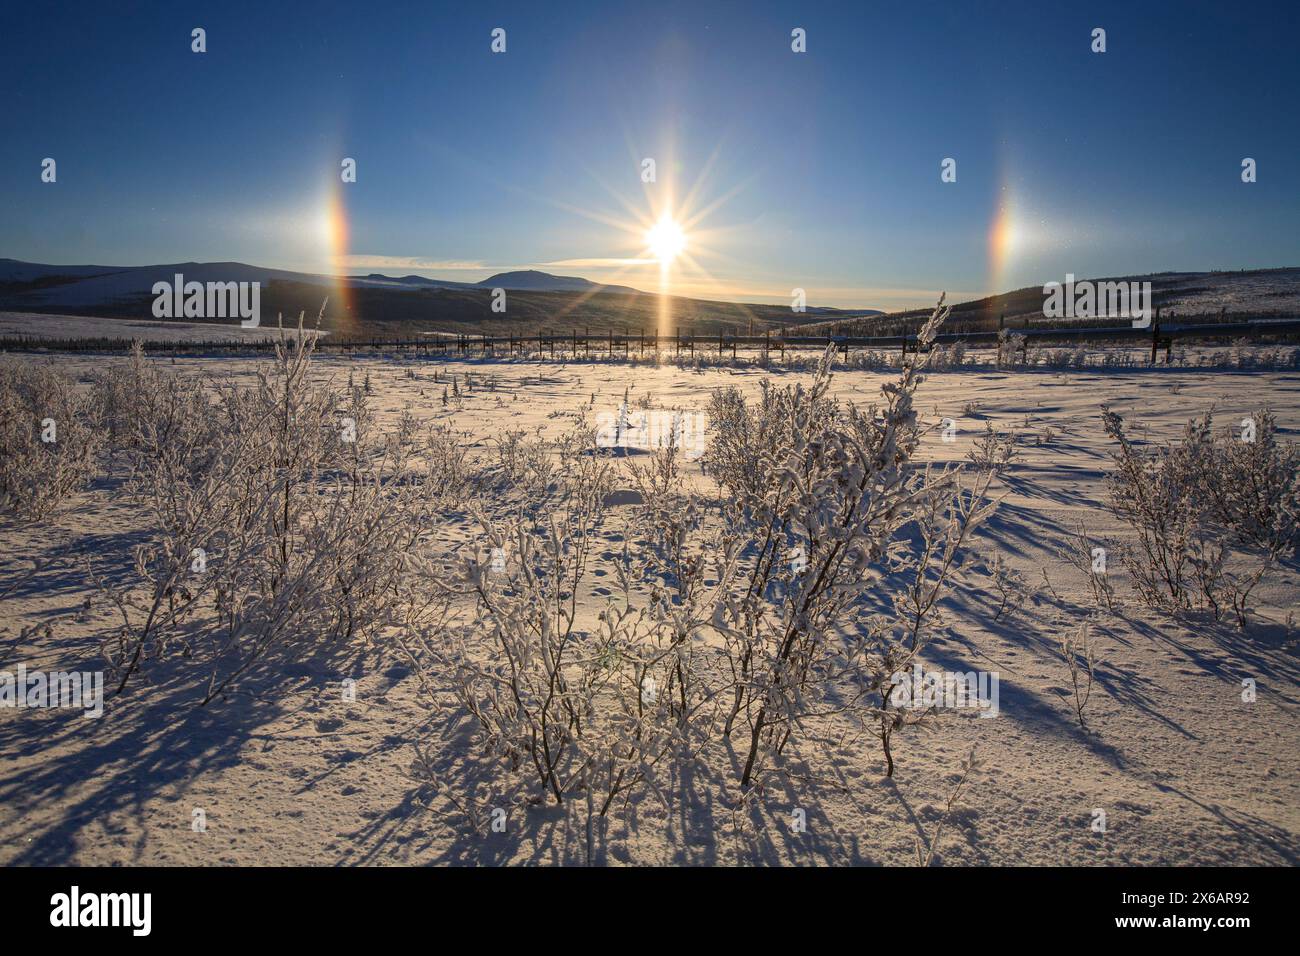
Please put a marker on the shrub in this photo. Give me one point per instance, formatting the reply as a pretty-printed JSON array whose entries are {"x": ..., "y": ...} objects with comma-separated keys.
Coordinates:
[
  {"x": 992, "y": 451},
  {"x": 747, "y": 442},
  {"x": 1213, "y": 513},
  {"x": 834, "y": 486},
  {"x": 712, "y": 629},
  {"x": 1080, "y": 653},
  {"x": 560, "y": 711},
  {"x": 277, "y": 520},
  {"x": 1085, "y": 554},
  {"x": 51, "y": 434}
]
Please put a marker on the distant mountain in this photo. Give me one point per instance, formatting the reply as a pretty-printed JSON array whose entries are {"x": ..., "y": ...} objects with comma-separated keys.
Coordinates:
[
  {"x": 41, "y": 287},
  {"x": 80, "y": 286},
  {"x": 12, "y": 270},
  {"x": 382, "y": 305},
  {"x": 1243, "y": 294},
  {"x": 532, "y": 280},
  {"x": 412, "y": 281}
]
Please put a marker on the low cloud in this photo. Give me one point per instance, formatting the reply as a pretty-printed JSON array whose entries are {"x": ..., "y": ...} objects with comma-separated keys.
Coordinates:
[
  {"x": 406, "y": 262},
  {"x": 595, "y": 263}
]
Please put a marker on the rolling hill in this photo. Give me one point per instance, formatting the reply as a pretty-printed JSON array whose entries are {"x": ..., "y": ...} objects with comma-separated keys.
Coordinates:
[
  {"x": 380, "y": 305},
  {"x": 1253, "y": 293}
]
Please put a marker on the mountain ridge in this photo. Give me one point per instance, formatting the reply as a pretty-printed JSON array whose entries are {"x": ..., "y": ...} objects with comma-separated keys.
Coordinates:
[{"x": 385, "y": 305}]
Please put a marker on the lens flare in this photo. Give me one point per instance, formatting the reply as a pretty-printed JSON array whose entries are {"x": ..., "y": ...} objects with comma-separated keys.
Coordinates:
[{"x": 665, "y": 239}]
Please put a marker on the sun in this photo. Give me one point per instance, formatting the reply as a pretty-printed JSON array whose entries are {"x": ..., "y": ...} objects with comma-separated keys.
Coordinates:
[
  {"x": 665, "y": 228},
  {"x": 665, "y": 239}
]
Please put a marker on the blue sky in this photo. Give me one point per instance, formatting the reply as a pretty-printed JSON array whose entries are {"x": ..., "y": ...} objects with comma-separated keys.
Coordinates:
[{"x": 817, "y": 170}]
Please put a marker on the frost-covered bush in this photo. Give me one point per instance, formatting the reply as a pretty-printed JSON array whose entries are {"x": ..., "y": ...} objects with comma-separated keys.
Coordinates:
[
  {"x": 1081, "y": 659},
  {"x": 1012, "y": 347},
  {"x": 51, "y": 435},
  {"x": 823, "y": 504},
  {"x": 562, "y": 707},
  {"x": 1154, "y": 491},
  {"x": 446, "y": 462},
  {"x": 810, "y": 584},
  {"x": 1076, "y": 357},
  {"x": 151, "y": 413},
  {"x": 993, "y": 451},
  {"x": 277, "y": 520},
  {"x": 1088, "y": 557},
  {"x": 949, "y": 357},
  {"x": 1212, "y": 513},
  {"x": 1252, "y": 486},
  {"x": 747, "y": 441},
  {"x": 523, "y": 463}
]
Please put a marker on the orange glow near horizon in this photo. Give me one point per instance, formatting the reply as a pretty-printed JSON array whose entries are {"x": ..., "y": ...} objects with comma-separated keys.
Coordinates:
[
  {"x": 336, "y": 241},
  {"x": 1002, "y": 239}
]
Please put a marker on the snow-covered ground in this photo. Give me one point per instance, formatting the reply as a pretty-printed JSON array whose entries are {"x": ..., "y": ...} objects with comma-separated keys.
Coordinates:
[
  {"x": 1275, "y": 290},
  {"x": 33, "y": 325},
  {"x": 1184, "y": 770}
]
